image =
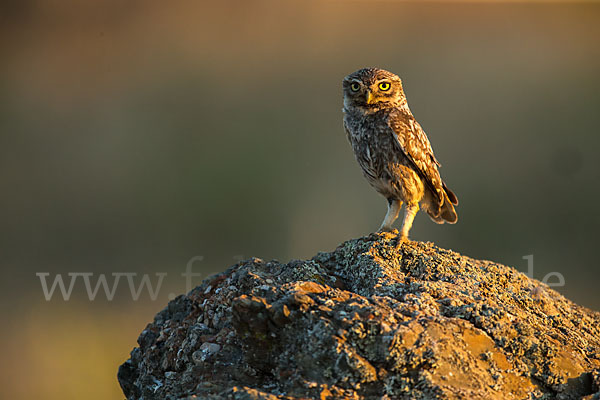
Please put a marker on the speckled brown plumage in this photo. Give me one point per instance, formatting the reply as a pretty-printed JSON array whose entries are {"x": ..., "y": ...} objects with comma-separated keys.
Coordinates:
[{"x": 393, "y": 150}]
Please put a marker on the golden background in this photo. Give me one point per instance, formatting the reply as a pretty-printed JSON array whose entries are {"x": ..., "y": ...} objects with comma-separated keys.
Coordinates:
[{"x": 136, "y": 135}]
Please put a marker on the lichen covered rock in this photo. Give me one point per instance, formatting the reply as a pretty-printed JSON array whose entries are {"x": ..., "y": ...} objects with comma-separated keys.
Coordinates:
[{"x": 369, "y": 321}]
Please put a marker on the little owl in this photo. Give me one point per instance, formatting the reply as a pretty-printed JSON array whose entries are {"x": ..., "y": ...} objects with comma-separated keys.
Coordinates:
[{"x": 393, "y": 150}]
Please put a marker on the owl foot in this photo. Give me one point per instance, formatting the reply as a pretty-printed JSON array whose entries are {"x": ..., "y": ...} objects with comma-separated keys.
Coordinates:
[
  {"x": 401, "y": 240},
  {"x": 387, "y": 235}
]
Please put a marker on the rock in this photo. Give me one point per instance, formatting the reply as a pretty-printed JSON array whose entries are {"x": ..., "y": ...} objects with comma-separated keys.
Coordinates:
[
  {"x": 207, "y": 350},
  {"x": 368, "y": 321}
]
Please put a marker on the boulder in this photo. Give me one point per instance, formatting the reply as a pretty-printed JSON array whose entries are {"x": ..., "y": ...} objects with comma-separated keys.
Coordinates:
[{"x": 370, "y": 320}]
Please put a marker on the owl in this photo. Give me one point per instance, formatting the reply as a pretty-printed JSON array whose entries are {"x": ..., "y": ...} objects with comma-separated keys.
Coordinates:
[{"x": 393, "y": 151}]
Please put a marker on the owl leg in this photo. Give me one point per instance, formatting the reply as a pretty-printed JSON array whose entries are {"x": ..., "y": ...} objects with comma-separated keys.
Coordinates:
[
  {"x": 409, "y": 216},
  {"x": 392, "y": 213}
]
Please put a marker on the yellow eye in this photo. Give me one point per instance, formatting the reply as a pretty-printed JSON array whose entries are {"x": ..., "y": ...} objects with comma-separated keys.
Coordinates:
[
  {"x": 355, "y": 87},
  {"x": 384, "y": 86}
]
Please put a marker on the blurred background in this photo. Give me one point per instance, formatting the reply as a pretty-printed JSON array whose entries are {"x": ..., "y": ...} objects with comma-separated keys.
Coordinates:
[{"x": 137, "y": 135}]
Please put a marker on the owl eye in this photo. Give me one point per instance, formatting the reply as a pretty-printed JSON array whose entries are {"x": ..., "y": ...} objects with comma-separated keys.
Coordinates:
[
  {"x": 354, "y": 87},
  {"x": 384, "y": 86}
]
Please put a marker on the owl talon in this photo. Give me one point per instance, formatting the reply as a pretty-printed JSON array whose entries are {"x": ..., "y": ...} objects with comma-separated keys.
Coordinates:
[
  {"x": 387, "y": 235},
  {"x": 401, "y": 240}
]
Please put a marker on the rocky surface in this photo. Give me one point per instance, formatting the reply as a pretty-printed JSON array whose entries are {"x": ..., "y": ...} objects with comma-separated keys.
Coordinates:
[{"x": 369, "y": 321}]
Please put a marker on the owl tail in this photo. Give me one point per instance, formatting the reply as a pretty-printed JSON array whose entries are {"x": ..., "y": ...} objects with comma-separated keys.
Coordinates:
[
  {"x": 451, "y": 196},
  {"x": 447, "y": 212},
  {"x": 443, "y": 212}
]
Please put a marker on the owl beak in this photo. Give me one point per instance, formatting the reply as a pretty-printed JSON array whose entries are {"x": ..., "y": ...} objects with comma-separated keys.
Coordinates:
[{"x": 369, "y": 97}]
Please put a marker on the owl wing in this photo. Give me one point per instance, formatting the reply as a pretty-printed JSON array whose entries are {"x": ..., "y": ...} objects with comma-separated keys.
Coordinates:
[{"x": 413, "y": 142}]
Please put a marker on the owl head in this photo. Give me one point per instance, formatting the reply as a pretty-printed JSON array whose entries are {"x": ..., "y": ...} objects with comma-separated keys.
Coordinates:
[{"x": 371, "y": 89}]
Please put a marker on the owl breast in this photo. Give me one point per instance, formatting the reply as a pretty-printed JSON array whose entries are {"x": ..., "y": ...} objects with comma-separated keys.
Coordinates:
[{"x": 385, "y": 167}]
